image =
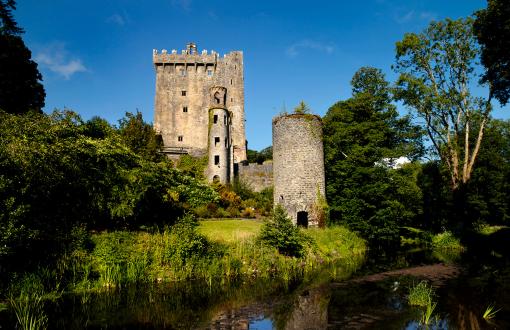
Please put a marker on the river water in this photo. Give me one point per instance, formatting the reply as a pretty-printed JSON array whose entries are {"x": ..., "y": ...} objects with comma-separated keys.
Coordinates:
[{"x": 369, "y": 294}]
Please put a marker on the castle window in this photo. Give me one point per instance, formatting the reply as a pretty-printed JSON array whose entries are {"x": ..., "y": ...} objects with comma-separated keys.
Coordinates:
[
  {"x": 226, "y": 142},
  {"x": 215, "y": 119},
  {"x": 183, "y": 93},
  {"x": 179, "y": 138},
  {"x": 216, "y": 140},
  {"x": 216, "y": 160},
  {"x": 184, "y": 109},
  {"x": 225, "y": 120},
  {"x": 183, "y": 73},
  {"x": 231, "y": 82},
  {"x": 209, "y": 73},
  {"x": 231, "y": 99}
]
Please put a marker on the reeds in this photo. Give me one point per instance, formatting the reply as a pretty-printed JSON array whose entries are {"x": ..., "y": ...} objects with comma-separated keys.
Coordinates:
[{"x": 29, "y": 311}]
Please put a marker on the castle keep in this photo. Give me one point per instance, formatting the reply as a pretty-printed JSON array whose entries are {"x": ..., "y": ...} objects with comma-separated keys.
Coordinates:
[{"x": 199, "y": 107}]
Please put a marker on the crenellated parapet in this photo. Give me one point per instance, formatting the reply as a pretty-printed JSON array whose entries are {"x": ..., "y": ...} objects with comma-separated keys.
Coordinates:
[{"x": 190, "y": 56}]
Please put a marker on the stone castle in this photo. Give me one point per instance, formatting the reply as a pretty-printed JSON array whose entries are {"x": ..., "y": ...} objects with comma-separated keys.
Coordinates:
[
  {"x": 298, "y": 167},
  {"x": 199, "y": 110},
  {"x": 199, "y": 107}
]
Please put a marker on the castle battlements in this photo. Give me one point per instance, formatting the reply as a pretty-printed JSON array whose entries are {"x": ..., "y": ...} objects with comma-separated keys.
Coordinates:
[{"x": 190, "y": 56}]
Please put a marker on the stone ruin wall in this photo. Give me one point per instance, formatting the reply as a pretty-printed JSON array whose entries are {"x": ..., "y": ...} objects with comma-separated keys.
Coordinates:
[
  {"x": 257, "y": 176},
  {"x": 298, "y": 164}
]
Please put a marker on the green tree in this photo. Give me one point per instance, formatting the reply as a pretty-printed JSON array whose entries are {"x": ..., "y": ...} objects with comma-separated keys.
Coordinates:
[
  {"x": 302, "y": 108},
  {"x": 20, "y": 80},
  {"x": 361, "y": 136},
  {"x": 280, "y": 233},
  {"x": 140, "y": 137},
  {"x": 437, "y": 68},
  {"x": 492, "y": 28}
]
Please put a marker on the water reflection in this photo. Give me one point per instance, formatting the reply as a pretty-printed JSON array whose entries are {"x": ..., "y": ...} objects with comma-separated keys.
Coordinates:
[{"x": 341, "y": 297}]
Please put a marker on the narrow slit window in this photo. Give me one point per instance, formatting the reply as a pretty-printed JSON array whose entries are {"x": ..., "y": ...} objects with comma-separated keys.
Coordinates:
[
  {"x": 225, "y": 120},
  {"x": 209, "y": 73},
  {"x": 183, "y": 93},
  {"x": 231, "y": 99},
  {"x": 183, "y": 73},
  {"x": 179, "y": 138},
  {"x": 215, "y": 119},
  {"x": 226, "y": 142},
  {"x": 216, "y": 160},
  {"x": 216, "y": 140},
  {"x": 231, "y": 82},
  {"x": 184, "y": 109}
]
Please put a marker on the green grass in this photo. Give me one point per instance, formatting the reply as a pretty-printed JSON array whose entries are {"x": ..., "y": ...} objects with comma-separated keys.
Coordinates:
[
  {"x": 420, "y": 294},
  {"x": 446, "y": 240},
  {"x": 490, "y": 312},
  {"x": 229, "y": 231},
  {"x": 489, "y": 230},
  {"x": 336, "y": 241}
]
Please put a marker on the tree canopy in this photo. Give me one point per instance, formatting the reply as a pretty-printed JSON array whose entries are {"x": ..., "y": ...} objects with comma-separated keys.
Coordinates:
[
  {"x": 492, "y": 28},
  {"x": 437, "y": 69},
  {"x": 359, "y": 134},
  {"x": 20, "y": 80}
]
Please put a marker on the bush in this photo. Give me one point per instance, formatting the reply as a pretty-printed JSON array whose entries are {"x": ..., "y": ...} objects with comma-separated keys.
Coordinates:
[
  {"x": 279, "y": 232},
  {"x": 420, "y": 294},
  {"x": 186, "y": 242},
  {"x": 447, "y": 241}
]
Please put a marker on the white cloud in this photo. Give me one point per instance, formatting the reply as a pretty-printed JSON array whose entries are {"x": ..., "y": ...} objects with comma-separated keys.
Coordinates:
[
  {"x": 295, "y": 49},
  {"x": 56, "y": 58},
  {"x": 403, "y": 17},
  {"x": 118, "y": 19}
]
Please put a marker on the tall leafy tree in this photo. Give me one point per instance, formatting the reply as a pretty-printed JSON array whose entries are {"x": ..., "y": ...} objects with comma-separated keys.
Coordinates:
[
  {"x": 140, "y": 136},
  {"x": 492, "y": 28},
  {"x": 437, "y": 69},
  {"x": 20, "y": 80},
  {"x": 361, "y": 136}
]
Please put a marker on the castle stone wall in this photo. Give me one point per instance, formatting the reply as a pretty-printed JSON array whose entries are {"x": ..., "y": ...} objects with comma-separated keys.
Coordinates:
[
  {"x": 298, "y": 165},
  {"x": 183, "y": 81},
  {"x": 258, "y": 176}
]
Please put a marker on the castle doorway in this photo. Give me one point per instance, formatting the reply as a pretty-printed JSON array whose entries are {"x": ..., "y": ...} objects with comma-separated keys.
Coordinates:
[
  {"x": 302, "y": 219},
  {"x": 216, "y": 179}
]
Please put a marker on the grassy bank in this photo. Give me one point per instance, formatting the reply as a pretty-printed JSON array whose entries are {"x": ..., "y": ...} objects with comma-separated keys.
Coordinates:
[{"x": 218, "y": 250}]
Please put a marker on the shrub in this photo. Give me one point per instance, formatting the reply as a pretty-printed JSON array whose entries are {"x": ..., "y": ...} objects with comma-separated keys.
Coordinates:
[
  {"x": 446, "y": 240},
  {"x": 279, "y": 232},
  {"x": 186, "y": 242},
  {"x": 420, "y": 294}
]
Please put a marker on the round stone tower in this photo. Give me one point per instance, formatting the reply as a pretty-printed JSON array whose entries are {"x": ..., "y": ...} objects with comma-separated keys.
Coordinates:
[
  {"x": 220, "y": 148},
  {"x": 298, "y": 167}
]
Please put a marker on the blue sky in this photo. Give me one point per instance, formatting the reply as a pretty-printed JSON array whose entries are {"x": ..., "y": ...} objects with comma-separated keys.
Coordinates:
[{"x": 96, "y": 56}]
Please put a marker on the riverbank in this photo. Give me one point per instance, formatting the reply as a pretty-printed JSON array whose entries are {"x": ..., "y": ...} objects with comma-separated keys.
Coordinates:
[{"x": 221, "y": 250}]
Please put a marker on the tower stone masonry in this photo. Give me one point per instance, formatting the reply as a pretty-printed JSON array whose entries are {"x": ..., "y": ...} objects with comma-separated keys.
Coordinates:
[
  {"x": 187, "y": 83},
  {"x": 298, "y": 167}
]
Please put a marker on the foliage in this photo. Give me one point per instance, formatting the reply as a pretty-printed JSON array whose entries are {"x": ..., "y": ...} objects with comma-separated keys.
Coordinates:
[
  {"x": 7, "y": 23},
  {"x": 280, "y": 232},
  {"x": 374, "y": 200},
  {"x": 186, "y": 242},
  {"x": 140, "y": 137},
  {"x": 55, "y": 177},
  {"x": 193, "y": 166},
  {"x": 260, "y": 157},
  {"x": 20, "y": 80},
  {"x": 436, "y": 70},
  {"x": 492, "y": 28},
  {"x": 490, "y": 312},
  {"x": 302, "y": 108},
  {"x": 229, "y": 231},
  {"x": 29, "y": 311},
  {"x": 420, "y": 294},
  {"x": 446, "y": 241}
]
